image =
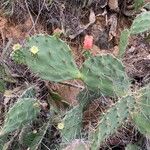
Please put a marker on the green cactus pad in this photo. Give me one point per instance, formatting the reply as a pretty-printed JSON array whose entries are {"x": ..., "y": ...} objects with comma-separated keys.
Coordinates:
[
  {"x": 112, "y": 120},
  {"x": 77, "y": 144},
  {"x": 132, "y": 147},
  {"x": 72, "y": 125},
  {"x": 52, "y": 59},
  {"x": 24, "y": 111},
  {"x": 141, "y": 23},
  {"x": 107, "y": 74},
  {"x": 141, "y": 117},
  {"x": 33, "y": 140}
]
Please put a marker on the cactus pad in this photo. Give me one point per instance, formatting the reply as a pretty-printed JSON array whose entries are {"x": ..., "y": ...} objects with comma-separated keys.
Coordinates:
[
  {"x": 124, "y": 38},
  {"x": 141, "y": 23},
  {"x": 112, "y": 120},
  {"x": 50, "y": 58},
  {"x": 107, "y": 74},
  {"x": 72, "y": 125},
  {"x": 141, "y": 116},
  {"x": 24, "y": 111}
]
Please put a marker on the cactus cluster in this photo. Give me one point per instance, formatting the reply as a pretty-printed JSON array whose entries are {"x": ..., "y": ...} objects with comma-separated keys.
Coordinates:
[{"x": 51, "y": 59}]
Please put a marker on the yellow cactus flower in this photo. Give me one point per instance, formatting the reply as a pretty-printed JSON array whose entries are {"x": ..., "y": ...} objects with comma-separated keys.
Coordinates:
[
  {"x": 16, "y": 47},
  {"x": 34, "y": 49},
  {"x": 36, "y": 105},
  {"x": 60, "y": 126}
]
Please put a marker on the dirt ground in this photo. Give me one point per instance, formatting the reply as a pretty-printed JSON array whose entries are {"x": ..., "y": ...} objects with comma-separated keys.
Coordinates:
[{"x": 103, "y": 20}]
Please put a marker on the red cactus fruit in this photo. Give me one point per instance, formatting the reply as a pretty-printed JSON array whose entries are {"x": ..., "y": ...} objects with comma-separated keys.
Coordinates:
[{"x": 88, "y": 42}]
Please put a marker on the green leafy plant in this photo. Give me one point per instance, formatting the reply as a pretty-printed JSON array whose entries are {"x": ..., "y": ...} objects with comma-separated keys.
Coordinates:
[{"x": 51, "y": 59}]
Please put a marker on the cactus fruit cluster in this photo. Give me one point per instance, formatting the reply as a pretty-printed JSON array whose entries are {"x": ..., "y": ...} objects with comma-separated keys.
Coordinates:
[{"x": 51, "y": 59}]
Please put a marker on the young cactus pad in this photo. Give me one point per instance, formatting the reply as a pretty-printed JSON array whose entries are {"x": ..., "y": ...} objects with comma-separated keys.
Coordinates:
[
  {"x": 107, "y": 74},
  {"x": 50, "y": 58},
  {"x": 24, "y": 111}
]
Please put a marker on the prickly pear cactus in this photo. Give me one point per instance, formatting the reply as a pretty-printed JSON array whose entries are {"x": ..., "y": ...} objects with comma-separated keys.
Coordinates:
[
  {"x": 141, "y": 116},
  {"x": 50, "y": 58},
  {"x": 25, "y": 110},
  {"x": 141, "y": 23},
  {"x": 33, "y": 140},
  {"x": 72, "y": 125},
  {"x": 112, "y": 120},
  {"x": 107, "y": 74},
  {"x": 73, "y": 119}
]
